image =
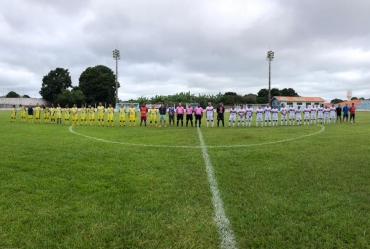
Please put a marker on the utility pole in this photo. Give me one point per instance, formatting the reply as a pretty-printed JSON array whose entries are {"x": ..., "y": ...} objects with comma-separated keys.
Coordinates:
[
  {"x": 116, "y": 56},
  {"x": 270, "y": 57}
]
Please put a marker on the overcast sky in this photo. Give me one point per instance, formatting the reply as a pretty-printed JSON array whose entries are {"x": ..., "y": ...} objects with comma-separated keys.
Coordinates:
[{"x": 322, "y": 48}]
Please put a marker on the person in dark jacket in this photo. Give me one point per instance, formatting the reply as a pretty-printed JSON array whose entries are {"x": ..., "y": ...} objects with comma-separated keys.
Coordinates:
[{"x": 220, "y": 115}]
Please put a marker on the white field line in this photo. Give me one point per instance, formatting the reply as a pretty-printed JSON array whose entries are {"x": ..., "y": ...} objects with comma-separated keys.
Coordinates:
[
  {"x": 198, "y": 147},
  {"x": 226, "y": 234}
]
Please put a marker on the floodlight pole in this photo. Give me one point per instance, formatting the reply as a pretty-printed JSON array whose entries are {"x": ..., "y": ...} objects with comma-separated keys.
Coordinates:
[
  {"x": 116, "y": 56},
  {"x": 270, "y": 57}
]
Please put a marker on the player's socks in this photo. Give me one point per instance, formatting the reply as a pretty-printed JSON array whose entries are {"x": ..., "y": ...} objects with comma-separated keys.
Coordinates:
[{"x": 256, "y": 123}]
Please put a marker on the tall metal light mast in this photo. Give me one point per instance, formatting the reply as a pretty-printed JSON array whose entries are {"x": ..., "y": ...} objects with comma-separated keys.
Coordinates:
[
  {"x": 116, "y": 56},
  {"x": 270, "y": 57}
]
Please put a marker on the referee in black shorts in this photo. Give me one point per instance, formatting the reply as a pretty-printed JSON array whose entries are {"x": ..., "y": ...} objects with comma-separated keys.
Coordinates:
[{"x": 220, "y": 115}]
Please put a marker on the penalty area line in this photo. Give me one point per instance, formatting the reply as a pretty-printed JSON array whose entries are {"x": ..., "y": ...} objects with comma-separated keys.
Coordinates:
[{"x": 223, "y": 224}]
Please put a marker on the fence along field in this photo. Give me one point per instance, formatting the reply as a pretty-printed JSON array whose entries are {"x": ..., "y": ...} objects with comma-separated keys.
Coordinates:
[{"x": 63, "y": 190}]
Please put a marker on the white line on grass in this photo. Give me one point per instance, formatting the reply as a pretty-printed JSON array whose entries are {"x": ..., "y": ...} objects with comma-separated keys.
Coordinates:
[
  {"x": 223, "y": 224},
  {"x": 198, "y": 147}
]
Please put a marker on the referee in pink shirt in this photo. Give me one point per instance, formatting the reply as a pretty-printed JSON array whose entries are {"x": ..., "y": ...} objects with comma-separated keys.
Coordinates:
[
  {"x": 198, "y": 115},
  {"x": 189, "y": 115},
  {"x": 180, "y": 114}
]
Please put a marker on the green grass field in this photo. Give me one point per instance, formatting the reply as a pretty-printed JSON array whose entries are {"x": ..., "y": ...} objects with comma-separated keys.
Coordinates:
[{"x": 140, "y": 187}]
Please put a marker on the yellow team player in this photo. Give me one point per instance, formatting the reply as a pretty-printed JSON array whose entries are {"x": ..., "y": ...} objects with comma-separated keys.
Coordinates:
[
  {"x": 122, "y": 116},
  {"x": 110, "y": 111},
  {"x": 100, "y": 110},
  {"x": 52, "y": 114},
  {"x": 74, "y": 111},
  {"x": 30, "y": 114},
  {"x": 153, "y": 116},
  {"x": 66, "y": 115},
  {"x": 91, "y": 115},
  {"x": 132, "y": 114},
  {"x": 22, "y": 109},
  {"x": 83, "y": 114},
  {"x": 46, "y": 114},
  {"x": 13, "y": 116},
  {"x": 38, "y": 113},
  {"x": 59, "y": 114}
]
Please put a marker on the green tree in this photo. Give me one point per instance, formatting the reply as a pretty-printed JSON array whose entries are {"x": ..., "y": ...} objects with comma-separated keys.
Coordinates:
[
  {"x": 12, "y": 94},
  {"x": 26, "y": 96},
  {"x": 98, "y": 84},
  {"x": 70, "y": 97},
  {"x": 250, "y": 98},
  {"x": 288, "y": 92},
  {"x": 54, "y": 83},
  {"x": 354, "y": 98},
  {"x": 336, "y": 101},
  {"x": 262, "y": 96}
]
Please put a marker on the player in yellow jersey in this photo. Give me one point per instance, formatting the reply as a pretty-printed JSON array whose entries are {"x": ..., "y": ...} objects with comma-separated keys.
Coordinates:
[
  {"x": 132, "y": 114},
  {"x": 91, "y": 115},
  {"x": 13, "y": 116},
  {"x": 52, "y": 114},
  {"x": 38, "y": 113},
  {"x": 59, "y": 114},
  {"x": 110, "y": 111},
  {"x": 83, "y": 114},
  {"x": 46, "y": 114},
  {"x": 66, "y": 115},
  {"x": 22, "y": 109},
  {"x": 122, "y": 116},
  {"x": 74, "y": 111},
  {"x": 153, "y": 116},
  {"x": 101, "y": 111}
]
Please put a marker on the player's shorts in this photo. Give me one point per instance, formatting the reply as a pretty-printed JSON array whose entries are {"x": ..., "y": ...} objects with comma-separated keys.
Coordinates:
[
  {"x": 52, "y": 115},
  {"x": 259, "y": 118},
  {"x": 91, "y": 117},
  {"x": 23, "y": 115},
  {"x": 332, "y": 115},
  {"x": 291, "y": 116},
  {"x": 267, "y": 116},
  {"x": 122, "y": 117},
  {"x": 30, "y": 116},
  {"x": 66, "y": 116},
  {"x": 283, "y": 117},
  {"x": 83, "y": 117},
  {"x": 37, "y": 115},
  {"x": 153, "y": 118},
  {"x": 298, "y": 117},
  {"x": 198, "y": 116},
  {"x": 306, "y": 116},
  {"x": 162, "y": 117},
  {"x": 232, "y": 117},
  {"x": 143, "y": 117},
  {"x": 319, "y": 115},
  {"x": 248, "y": 118},
  {"x": 240, "y": 118},
  {"x": 59, "y": 115},
  {"x": 209, "y": 117},
  {"x": 313, "y": 115},
  {"x": 132, "y": 117},
  {"x": 74, "y": 117},
  {"x": 189, "y": 116},
  {"x": 12, "y": 115},
  {"x": 100, "y": 116},
  {"x": 326, "y": 115},
  {"x": 180, "y": 116},
  {"x": 46, "y": 116},
  {"x": 220, "y": 116},
  {"x": 110, "y": 117},
  {"x": 345, "y": 115},
  {"x": 171, "y": 118},
  {"x": 275, "y": 116}
]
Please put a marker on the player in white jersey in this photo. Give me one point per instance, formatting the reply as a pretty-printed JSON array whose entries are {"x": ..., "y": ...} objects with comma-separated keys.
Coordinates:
[
  {"x": 320, "y": 113},
  {"x": 274, "y": 112},
  {"x": 284, "y": 114},
  {"x": 248, "y": 115},
  {"x": 291, "y": 115},
  {"x": 313, "y": 114},
  {"x": 326, "y": 115},
  {"x": 209, "y": 113},
  {"x": 232, "y": 117},
  {"x": 332, "y": 114},
  {"x": 241, "y": 115},
  {"x": 298, "y": 115},
  {"x": 267, "y": 111},
  {"x": 306, "y": 115},
  {"x": 259, "y": 112}
]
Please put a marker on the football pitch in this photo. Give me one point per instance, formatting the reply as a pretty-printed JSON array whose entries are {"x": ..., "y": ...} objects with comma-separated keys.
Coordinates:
[{"x": 183, "y": 187}]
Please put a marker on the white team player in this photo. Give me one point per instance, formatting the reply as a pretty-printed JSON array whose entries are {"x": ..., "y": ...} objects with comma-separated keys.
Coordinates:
[
  {"x": 320, "y": 113},
  {"x": 284, "y": 114},
  {"x": 210, "y": 113},
  {"x": 298, "y": 115},
  {"x": 326, "y": 115},
  {"x": 306, "y": 115},
  {"x": 313, "y": 114},
  {"x": 232, "y": 117},
  {"x": 248, "y": 115},
  {"x": 267, "y": 114},
  {"x": 259, "y": 112},
  {"x": 332, "y": 114},
  {"x": 241, "y": 115},
  {"x": 291, "y": 115},
  {"x": 274, "y": 112}
]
